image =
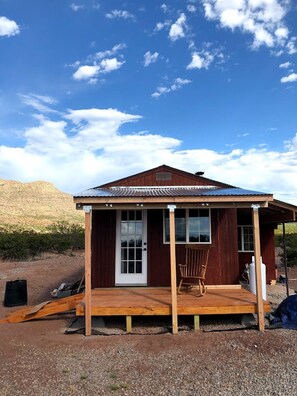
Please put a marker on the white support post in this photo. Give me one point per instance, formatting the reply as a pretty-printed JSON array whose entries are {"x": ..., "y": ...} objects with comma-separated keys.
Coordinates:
[
  {"x": 258, "y": 273},
  {"x": 88, "y": 291},
  {"x": 173, "y": 269}
]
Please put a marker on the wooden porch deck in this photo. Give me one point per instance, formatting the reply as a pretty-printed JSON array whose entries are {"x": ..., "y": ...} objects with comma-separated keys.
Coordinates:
[{"x": 137, "y": 301}]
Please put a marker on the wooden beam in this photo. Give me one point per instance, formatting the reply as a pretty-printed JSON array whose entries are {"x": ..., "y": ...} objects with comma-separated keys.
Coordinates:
[
  {"x": 181, "y": 205},
  {"x": 158, "y": 301},
  {"x": 128, "y": 324},
  {"x": 88, "y": 299},
  {"x": 173, "y": 270},
  {"x": 258, "y": 269},
  {"x": 285, "y": 259},
  {"x": 110, "y": 201},
  {"x": 44, "y": 309},
  {"x": 196, "y": 322}
]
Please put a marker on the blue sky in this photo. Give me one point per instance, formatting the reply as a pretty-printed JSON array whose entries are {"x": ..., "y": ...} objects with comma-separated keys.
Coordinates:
[{"x": 95, "y": 90}]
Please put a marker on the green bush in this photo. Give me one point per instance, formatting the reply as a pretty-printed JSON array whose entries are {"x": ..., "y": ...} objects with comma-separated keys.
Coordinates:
[
  {"x": 291, "y": 248},
  {"x": 19, "y": 244}
]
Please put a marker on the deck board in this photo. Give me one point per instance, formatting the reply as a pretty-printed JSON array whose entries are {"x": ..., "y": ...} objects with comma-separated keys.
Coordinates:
[{"x": 157, "y": 301}]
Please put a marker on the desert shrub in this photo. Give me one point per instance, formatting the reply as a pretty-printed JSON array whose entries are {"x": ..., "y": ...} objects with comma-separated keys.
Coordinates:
[
  {"x": 13, "y": 245},
  {"x": 16, "y": 243},
  {"x": 291, "y": 248}
]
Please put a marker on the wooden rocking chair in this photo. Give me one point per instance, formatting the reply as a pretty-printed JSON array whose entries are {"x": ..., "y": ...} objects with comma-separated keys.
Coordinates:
[{"x": 192, "y": 273}]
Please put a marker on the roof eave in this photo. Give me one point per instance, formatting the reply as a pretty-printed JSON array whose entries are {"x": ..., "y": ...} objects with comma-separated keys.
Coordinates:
[{"x": 243, "y": 201}]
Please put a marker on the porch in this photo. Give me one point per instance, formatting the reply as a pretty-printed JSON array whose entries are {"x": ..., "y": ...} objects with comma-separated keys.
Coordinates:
[{"x": 138, "y": 301}]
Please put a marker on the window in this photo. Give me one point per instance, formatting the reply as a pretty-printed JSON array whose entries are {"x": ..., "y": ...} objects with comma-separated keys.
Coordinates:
[
  {"x": 245, "y": 239},
  {"x": 191, "y": 226}
]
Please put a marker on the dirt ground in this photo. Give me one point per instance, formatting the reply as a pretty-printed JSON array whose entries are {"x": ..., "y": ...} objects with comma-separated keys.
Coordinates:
[{"x": 37, "y": 358}]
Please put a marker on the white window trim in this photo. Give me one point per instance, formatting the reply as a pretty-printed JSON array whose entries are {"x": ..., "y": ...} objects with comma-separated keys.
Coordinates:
[
  {"x": 241, "y": 226},
  {"x": 187, "y": 229}
]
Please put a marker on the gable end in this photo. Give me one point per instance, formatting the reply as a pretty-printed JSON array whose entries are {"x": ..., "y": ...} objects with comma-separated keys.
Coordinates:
[{"x": 164, "y": 175}]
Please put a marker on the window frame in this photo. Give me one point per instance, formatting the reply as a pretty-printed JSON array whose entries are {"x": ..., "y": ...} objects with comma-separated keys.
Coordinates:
[
  {"x": 242, "y": 227},
  {"x": 187, "y": 242}
]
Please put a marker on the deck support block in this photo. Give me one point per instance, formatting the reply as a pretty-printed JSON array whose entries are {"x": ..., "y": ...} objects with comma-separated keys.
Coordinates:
[
  {"x": 196, "y": 322},
  {"x": 129, "y": 324}
]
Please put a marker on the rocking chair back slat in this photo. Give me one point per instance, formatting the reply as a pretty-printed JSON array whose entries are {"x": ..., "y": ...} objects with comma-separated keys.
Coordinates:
[
  {"x": 196, "y": 261},
  {"x": 194, "y": 270}
]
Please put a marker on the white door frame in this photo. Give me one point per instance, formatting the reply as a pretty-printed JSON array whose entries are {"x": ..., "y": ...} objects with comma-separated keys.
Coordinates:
[{"x": 134, "y": 279}]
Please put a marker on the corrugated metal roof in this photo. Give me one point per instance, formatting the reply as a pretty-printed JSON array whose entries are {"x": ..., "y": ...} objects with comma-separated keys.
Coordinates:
[{"x": 171, "y": 191}]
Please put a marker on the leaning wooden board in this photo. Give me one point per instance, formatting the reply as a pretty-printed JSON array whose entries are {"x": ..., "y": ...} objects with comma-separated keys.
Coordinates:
[{"x": 44, "y": 309}]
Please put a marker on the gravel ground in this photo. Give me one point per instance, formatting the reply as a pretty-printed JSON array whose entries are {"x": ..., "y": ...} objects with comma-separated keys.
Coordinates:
[{"x": 37, "y": 358}]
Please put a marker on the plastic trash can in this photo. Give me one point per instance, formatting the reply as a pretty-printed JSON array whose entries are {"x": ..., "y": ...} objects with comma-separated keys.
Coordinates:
[{"x": 15, "y": 293}]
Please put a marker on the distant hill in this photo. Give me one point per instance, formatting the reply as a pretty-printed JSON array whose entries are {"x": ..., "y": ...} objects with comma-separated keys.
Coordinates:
[{"x": 35, "y": 205}]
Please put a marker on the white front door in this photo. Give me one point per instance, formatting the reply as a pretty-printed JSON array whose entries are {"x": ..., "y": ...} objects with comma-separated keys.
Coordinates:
[{"x": 131, "y": 247}]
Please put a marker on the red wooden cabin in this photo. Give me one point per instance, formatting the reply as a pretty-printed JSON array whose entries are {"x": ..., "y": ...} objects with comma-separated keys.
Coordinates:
[{"x": 130, "y": 227}]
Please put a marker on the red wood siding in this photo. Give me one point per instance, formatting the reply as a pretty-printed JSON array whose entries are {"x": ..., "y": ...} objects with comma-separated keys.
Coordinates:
[
  {"x": 223, "y": 260},
  {"x": 158, "y": 253},
  {"x": 267, "y": 252},
  {"x": 175, "y": 178},
  {"x": 225, "y": 263},
  {"x": 103, "y": 248},
  {"x": 267, "y": 245}
]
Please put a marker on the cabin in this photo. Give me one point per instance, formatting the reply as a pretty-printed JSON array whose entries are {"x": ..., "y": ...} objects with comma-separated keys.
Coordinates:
[{"x": 137, "y": 229}]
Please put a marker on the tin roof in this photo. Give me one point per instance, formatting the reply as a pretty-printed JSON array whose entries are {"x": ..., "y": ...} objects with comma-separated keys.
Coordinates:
[{"x": 170, "y": 191}]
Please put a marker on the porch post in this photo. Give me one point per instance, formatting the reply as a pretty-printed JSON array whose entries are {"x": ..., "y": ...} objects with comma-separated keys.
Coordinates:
[
  {"x": 258, "y": 270},
  {"x": 173, "y": 269},
  {"x": 88, "y": 315},
  {"x": 285, "y": 259}
]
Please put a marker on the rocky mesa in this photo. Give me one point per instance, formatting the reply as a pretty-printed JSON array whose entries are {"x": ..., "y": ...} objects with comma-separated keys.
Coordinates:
[{"x": 35, "y": 205}]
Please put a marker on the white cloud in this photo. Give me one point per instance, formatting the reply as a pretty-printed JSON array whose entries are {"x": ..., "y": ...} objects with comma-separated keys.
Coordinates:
[
  {"x": 99, "y": 63},
  {"x": 245, "y": 134},
  {"x": 39, "y": 102},
  {"x": 204, "y": 58},
  {"x": 291, "y": 46},
  {"x": 90, "y": 73},
  {"x": 285, "y": 65},
  {"x": 86, "y": 72},
  {"x": 177, "y": 84},
  {"x": 109, "y": 65},
  {"x": 85, "y": 148},
  {"x": 8, "y": 27},
  {"x": 120, "y": 14},
  {"x": 177, "y": 29},
  {"x": 200, "y": 62},
  {"x": 77, "y": 7},
  {"x": 161, "y": 25},
  {"x": 107, "y": 53},
  {"x": 150, "y": 58},
  {"x": 263, "y": 19},
  {"x": 164, "y": 8},
  {"x": 290, "y": 78},
  {"x": 191, "y": 8},
  {"x": 282, "y": 32}
]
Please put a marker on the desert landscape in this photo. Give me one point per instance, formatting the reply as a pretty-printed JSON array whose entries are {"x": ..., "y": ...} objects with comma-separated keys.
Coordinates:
[{"x": 38, "y": 358}]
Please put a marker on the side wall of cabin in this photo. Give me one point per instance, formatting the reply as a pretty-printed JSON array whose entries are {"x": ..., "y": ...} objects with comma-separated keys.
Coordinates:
[
  {"x": 267, "y": 252},
  {"x": 267, "y": 241}
]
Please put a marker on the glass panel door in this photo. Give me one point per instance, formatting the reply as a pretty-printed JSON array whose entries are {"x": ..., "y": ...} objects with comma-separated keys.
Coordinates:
[{"x": 131, "y": 266}]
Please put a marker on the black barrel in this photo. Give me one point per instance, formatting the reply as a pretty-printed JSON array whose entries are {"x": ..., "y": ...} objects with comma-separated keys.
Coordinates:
[{"x": 16, "y": 293}]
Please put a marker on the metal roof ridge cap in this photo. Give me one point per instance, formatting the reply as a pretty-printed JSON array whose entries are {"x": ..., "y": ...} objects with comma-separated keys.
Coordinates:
[{"x": 159, "y": 187}]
